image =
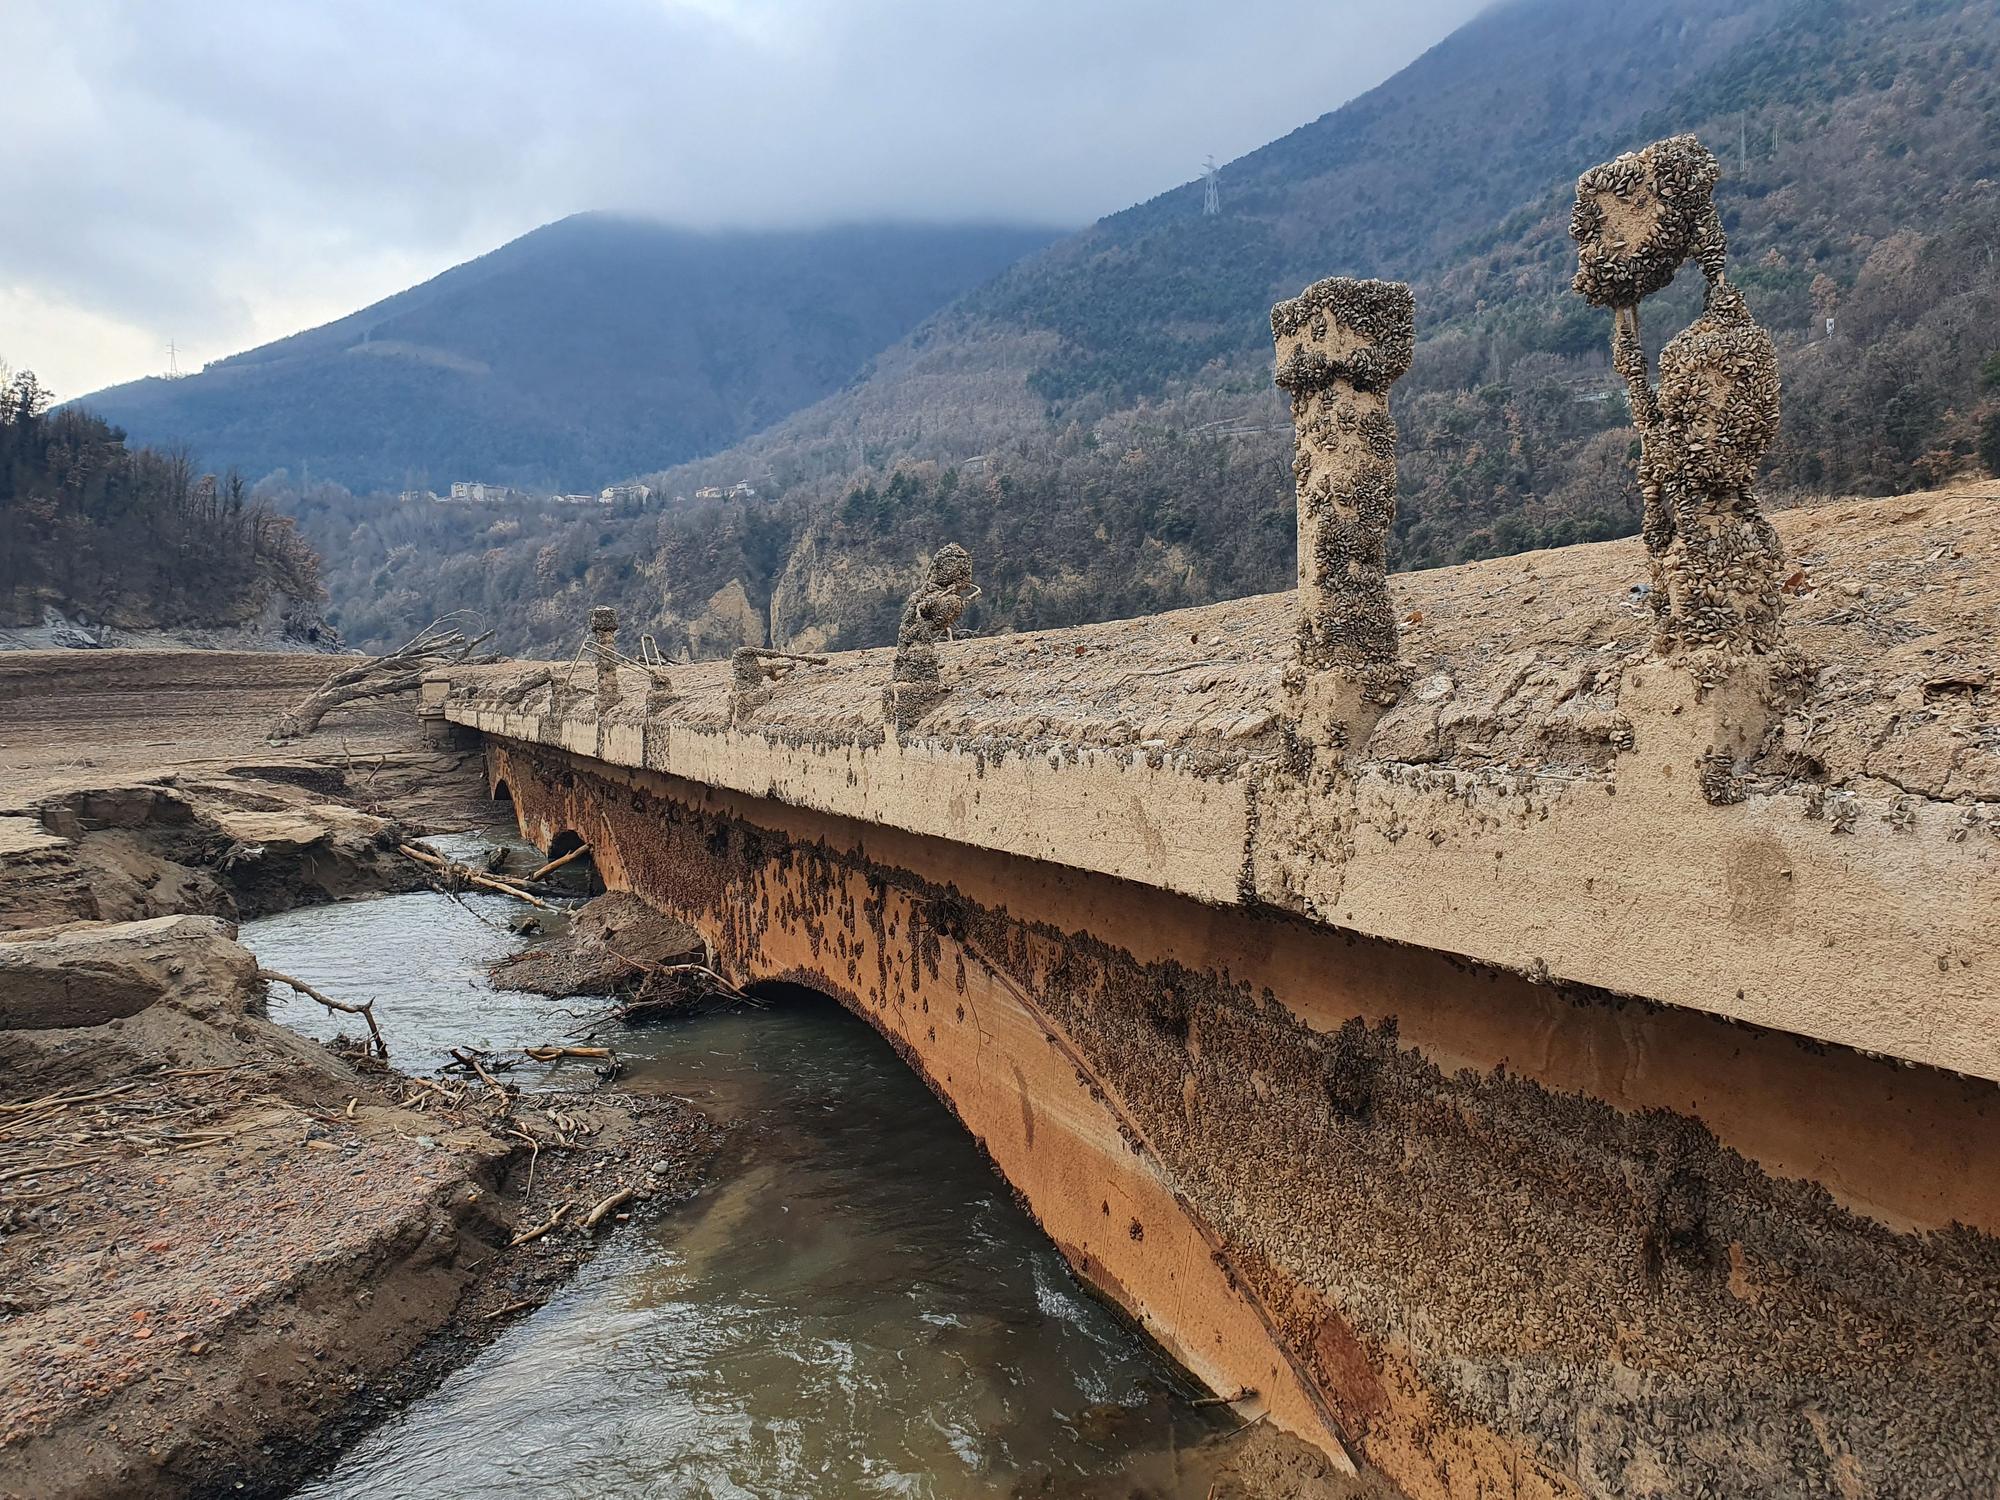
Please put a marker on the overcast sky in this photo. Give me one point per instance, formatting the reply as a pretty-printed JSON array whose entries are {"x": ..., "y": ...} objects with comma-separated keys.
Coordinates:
[{"x": 222, "y": 172}]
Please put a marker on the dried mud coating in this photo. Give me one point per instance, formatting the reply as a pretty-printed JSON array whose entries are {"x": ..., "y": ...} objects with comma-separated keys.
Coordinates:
[
  {"x": 746, "y": 669},
  {"x": 753, "y": 676},
  {"x": 928, "y": 617},
  {"x": 1640, "y": 218},
  {"x": 1341, "y": 344},
  {"x": 1717, "y": 564},
  {"x": 604, "y": 646},
  {"x": 518, "y": 693}
]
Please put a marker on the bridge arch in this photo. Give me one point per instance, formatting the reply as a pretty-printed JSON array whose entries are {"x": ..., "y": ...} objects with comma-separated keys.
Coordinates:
[
  {"x": 581, "y": 869},
  {"x": 964, "y": 1009}
]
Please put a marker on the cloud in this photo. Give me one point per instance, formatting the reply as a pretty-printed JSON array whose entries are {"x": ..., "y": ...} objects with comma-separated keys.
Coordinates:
[{"x": 222, "y": 172}]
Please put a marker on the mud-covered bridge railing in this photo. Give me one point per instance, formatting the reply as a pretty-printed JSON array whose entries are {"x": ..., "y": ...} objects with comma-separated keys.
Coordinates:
[{"x": 1545, "y": 795}]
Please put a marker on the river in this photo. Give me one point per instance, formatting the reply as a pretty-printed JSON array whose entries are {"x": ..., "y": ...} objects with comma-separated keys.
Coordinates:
[{"x": 854, "y": 1306}]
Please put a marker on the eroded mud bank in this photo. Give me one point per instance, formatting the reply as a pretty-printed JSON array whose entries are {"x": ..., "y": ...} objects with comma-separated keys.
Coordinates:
[
  {"x": 233, "y": 846},
  {"x": 225, "y": 1248},
  {"x": 1470, "y": 1230}
]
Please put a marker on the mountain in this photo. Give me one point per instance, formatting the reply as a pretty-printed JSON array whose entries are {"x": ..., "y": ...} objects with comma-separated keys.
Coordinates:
[
  {"x": 1097, "y": 422},
  {"x": 580, "y": 353}
]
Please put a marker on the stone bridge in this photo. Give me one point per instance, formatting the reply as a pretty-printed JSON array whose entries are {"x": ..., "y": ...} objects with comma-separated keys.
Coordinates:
[
  {"x": 1524, "y": 1116},
  {"x": 1529, "y": 1028}
]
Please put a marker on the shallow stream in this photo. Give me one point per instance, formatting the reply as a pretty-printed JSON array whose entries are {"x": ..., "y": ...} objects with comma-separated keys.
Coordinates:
[{"x": 854, "y": 1306}]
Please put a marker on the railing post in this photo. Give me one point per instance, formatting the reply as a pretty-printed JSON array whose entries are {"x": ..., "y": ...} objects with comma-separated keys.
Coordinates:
[
  {"x": 604, "y": 646},
  {"x": 1716, "y": 564},
  {"x": 1341, "y": 344},
  {"x": 916, "y": 682}
]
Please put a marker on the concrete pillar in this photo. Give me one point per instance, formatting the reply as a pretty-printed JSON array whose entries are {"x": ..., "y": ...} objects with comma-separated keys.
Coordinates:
[{"x": 1341, "y": 344}]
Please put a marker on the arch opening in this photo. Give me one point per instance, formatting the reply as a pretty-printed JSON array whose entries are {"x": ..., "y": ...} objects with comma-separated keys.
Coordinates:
[
  {"x": 501, "y": 792},
  {"x": 785, "y": 994},
  {"x": 580, "y": 872}
]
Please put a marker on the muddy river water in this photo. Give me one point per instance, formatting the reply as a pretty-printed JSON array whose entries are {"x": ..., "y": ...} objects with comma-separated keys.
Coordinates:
[{"x": 854, "y": 1306}]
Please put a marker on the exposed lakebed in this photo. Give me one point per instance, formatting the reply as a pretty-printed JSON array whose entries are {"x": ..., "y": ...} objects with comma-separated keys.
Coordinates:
[{"x": 855, "y": 1305}]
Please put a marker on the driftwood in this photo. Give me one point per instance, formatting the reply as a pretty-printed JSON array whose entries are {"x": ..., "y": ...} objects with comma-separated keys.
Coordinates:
[
  {"x": 365, "y": 1010},
  {"x": 556, "y": 864},
  {"x": 531, "y": 1235},
  {"x": 689, "y": 989},
  {"x": 470, "y": 876},
  {"x": 470, "y": 1059},
  {"x": 442, "y": 643},
  {"x": 608, "y": 1205}
]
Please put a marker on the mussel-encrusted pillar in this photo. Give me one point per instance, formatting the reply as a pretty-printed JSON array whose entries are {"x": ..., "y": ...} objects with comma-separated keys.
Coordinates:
[
  {"x": 916, "y": 684},
  {"x": 1341, "y": 344},
  {"x": 1716, "y": 562},
  {"x": 604, "y": 646},
  {"x": 1717, "y": 566}
]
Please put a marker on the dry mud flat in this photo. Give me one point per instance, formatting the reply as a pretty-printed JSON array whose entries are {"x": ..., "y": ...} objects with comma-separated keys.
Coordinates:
[
  {"x": 70, "y": 720},
  {"x": 224, "y": 1247}
]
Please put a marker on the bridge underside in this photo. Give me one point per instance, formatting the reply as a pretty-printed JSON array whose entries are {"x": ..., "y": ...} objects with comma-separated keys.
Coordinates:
[{"x": 1483, "y": 1234}]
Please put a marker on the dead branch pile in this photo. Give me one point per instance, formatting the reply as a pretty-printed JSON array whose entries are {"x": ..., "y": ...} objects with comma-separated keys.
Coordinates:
[
  {"x": 442, "y": 643},
  {"x": 668, "y": 992},
  {"x": 455, "y": 876},
  {"x": 539, "y": 1120}
]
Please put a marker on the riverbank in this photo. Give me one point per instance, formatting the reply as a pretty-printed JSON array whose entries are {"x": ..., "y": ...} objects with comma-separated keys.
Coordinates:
[
  {"x": 228, "y": 1252},
  {"x": 225, "y": 1246},
  {"x": 226, "y": 1249}
]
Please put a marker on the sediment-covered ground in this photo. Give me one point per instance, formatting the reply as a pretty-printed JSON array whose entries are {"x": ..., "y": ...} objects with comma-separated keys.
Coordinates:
[
  {"x": 224, "y": 1248},
  {"x": 216, "y": 1235},
  {"x": 72, "y": 718}
]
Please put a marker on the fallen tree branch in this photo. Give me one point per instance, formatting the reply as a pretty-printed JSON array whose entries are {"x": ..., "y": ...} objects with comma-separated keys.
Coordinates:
[
  {"x": 471, "y": 876},
  {"x": 471, "y": 1060},
  {"x": 365, "y": 1010},
  {"x": 442, "y": 643},
  {"x": 616, "y": 1201},
  {"x": 556, "y": 864}
]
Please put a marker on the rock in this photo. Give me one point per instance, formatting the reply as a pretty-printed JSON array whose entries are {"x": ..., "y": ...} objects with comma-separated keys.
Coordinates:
[{"x": 87, "y": 974}]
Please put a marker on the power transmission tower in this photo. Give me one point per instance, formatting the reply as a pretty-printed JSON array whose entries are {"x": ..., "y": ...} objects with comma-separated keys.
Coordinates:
[
  {"x": 174, "y": 370},
  {"x": 1211, "y": 195}
]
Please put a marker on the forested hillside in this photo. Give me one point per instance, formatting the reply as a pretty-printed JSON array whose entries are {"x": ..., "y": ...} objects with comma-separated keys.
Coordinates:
[
  {"x": 1098, "y": 423},
  {"x": 578, "y": 354},
  {"x": 136, "y": 539}
]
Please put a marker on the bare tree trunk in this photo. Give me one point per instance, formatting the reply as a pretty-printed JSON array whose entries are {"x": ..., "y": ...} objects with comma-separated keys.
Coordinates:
[{"x": 442, "y": 643}]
